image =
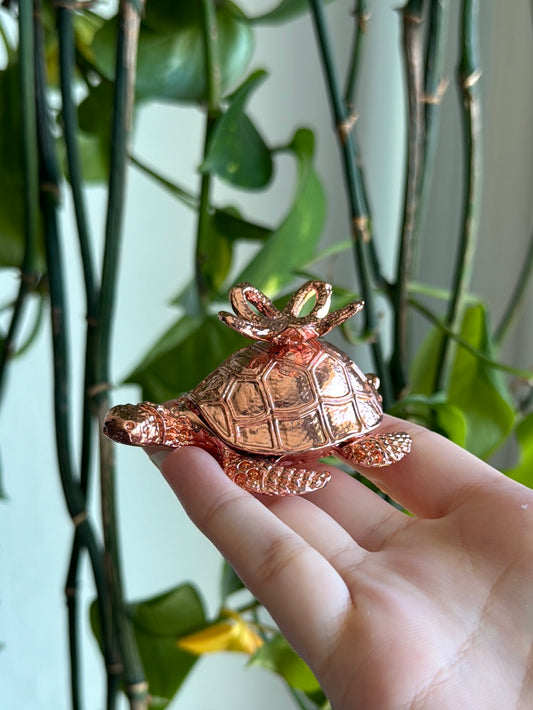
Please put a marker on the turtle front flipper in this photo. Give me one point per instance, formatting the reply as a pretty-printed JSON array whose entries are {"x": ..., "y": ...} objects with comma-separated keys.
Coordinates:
[
  {"x": 259, "y": 475},
  {"x": 377, "y": 450}
]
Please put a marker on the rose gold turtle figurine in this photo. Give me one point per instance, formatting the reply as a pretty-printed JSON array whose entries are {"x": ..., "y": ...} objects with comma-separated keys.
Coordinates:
[{"x": 275, "y": 407}]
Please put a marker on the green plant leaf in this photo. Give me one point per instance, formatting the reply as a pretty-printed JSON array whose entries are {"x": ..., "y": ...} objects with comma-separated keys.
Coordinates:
[
  {"x": 220, "y": 255},
  {"x": 452, "y": 422},
  {"x": 95, "y": 132},
  {"x": 424, "y": 365},
  {"x": 12, "y": 219},
  {"x": 230, "y": 582},
  {"x": 478, "y": 390},
  {"x": 187, "y": 352},
  {"x": 229, "y": 221},
  {"x": 277, "y": 656},
  {"x": 523, "y": 471},
  {"x": 433, "y": 411},
  {"x": 158, "y": 623},
  {"x": 236, "y": 152},
  {"x": 296, "y": 239},
  {"x": 174, "y": 613},
  {"x": 170, "y": 60}
]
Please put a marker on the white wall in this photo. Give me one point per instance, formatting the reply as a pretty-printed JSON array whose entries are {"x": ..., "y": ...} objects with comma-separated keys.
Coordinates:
[{"x": 160, "y": 547}]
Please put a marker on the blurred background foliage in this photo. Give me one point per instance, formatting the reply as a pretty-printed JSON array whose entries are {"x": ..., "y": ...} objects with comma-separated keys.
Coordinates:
[{"x": 71, "y": 88}]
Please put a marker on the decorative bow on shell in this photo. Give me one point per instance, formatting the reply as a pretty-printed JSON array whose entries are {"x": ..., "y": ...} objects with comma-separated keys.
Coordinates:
[{"x": 269, "y": 323}]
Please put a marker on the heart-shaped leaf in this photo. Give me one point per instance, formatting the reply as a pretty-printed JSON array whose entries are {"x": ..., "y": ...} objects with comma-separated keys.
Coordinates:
[
  {"x": 477, "y": 391},
  {"x": 236, "y": 151},
  {"x": 157, "y": 624},
  {"x": 171, "y": 57}
]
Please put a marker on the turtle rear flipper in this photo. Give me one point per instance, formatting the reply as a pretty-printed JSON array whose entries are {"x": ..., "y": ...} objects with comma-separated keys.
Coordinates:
[{"x": 377, "y": 450}]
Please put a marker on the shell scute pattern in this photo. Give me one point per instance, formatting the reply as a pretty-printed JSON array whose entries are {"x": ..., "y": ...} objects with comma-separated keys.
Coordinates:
[{"x": 266, "y": 399}]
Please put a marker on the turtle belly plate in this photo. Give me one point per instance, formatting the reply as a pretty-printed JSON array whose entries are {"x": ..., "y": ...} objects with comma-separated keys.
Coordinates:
[{"x": 273, "y": 400}]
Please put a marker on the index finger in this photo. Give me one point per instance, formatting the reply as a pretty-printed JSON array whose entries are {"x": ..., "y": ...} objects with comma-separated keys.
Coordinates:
[
  {"x": 273, "y": 561},
  {"x": 435, "y": 477}
]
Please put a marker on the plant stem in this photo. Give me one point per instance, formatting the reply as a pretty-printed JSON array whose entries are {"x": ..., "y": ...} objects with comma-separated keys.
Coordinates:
[
  {"x": 435, "y": 86},
  {"x": 413, "y": 46},
  {"x": 213, "y": 77},
  {"x": 71, "y": 595},
  {"x": 468, "y": 77},
  {"x": 518, "y": 295},
  {"x": 66, "y": 43},
  {"x": 29, "y": 277},
  {"x": 127, "y": 40},
  {"x": 181, "y": 193},
  {"x": 73, "y": 493},
  {"x": 362, "y": 17},
  {"x": 129, "y": 22},
  {"x": 360, "y": 220}
]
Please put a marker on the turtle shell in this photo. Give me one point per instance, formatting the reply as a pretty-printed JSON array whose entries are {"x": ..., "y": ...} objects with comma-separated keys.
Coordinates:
[{"x": 277, "y": 399}]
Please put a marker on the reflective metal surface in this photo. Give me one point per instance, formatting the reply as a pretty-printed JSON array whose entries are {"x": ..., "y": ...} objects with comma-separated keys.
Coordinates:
[{"x": 287, "y": 395}]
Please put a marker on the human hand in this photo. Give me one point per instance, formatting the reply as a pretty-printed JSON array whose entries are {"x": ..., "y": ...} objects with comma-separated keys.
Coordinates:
[{"x": 390, "y": 611}]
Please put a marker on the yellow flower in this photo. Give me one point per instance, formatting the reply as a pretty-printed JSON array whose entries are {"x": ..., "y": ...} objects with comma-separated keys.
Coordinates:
[{"x": 233, "y": 634}]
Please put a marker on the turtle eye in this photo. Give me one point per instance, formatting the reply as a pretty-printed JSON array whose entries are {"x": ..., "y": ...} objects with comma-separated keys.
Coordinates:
[{"x": 129, "y": 426}]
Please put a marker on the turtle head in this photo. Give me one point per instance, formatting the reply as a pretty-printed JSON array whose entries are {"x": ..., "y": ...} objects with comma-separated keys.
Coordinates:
[{"x": 134, "y": 424}]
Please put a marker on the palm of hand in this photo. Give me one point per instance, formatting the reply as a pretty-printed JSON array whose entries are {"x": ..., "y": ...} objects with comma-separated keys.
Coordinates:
[
  {"x": 438, "y": 617},
  {"x": 424, "y": 613}
]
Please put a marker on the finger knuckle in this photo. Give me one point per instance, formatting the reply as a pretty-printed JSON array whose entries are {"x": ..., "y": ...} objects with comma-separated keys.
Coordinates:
[{"x": 279, "y": 556}]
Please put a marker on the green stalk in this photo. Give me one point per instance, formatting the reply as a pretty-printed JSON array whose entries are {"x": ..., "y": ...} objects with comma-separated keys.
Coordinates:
[
  {"x": 127, "y": 40},
  {"x": 435, "y": 86},
  {"x": 360, "y": 220},
  {"x": 186, "y": 197},
  {"x": 29, "y": 277},
  {"x": 73, "y": 493},
  {"x": 362, "y": 17},
  {"x": 70, "y": 131},
  {"x": 213, "y": 76},
  {"x": 413, "y": 46},
  {"x": 122, "y": 118},
  {"x": 517, "y": 297},
  {"x": 71, "y": 596},
  {"x": 468, "y": 76}
]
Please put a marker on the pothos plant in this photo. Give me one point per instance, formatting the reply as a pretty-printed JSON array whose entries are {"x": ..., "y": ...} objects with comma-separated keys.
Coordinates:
[{"x": 67, "y": 70}]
